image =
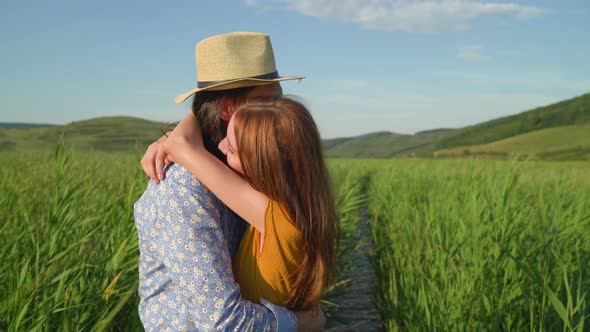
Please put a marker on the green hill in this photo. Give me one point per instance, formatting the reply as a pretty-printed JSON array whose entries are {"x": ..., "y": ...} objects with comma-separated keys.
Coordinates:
[
  {"x": 383, "y": 144},
  {"x": 128, "y": 133},
  {"x": 567, "y": 142},
  {"x": 101, "y": 134},
  {"x": 526, "y": 133},
  {"x": 333, "y": 142},
  {"x": 573, "y": 111}
]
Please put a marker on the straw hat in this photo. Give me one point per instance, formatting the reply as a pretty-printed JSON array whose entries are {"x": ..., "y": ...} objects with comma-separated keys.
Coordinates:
[{"x": 234, "y": 60}]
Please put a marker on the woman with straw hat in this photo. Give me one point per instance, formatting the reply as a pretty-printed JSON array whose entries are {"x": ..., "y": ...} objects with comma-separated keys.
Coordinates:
[{"x": 186, "y": 235}]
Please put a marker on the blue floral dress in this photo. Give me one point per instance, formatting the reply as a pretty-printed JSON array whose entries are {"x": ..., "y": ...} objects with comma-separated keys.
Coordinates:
[{"x": 186, "y": 281}]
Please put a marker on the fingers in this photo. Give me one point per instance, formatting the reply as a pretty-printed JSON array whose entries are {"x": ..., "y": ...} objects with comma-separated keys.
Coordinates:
[
  {"x": 159, "y": 161},
  {"x": 154, "y": 159},
  {"x": 147, "y": 162}
]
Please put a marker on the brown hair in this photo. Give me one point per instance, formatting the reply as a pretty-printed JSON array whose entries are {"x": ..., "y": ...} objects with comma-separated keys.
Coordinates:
[
  {"x": 281, "y": 154},
  {"x": 213, "y": 109}
]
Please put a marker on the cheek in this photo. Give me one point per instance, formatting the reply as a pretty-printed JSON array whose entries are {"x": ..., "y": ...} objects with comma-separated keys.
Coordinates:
[{"x": 234, "y": 162}]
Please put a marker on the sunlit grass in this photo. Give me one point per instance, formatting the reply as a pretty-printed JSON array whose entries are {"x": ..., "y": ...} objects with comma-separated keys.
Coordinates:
[
  {"x": 475, "y": 247},
  {"x": 70, "y": 249},
  {"x": 458, "y": 245}
]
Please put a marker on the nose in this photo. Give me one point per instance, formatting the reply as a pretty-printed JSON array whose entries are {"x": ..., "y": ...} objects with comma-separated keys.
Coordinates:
[{"x": 223, "y": 146}]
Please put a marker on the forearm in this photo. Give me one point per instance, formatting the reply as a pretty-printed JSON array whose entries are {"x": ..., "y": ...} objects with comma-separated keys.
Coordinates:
[
  {"x": 233, "y": 190},
  {"x": 190, "y": 129}
]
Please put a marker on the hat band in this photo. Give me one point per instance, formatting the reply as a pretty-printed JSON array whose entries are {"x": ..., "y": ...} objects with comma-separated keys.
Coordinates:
[{"x": 269, "y": 76}]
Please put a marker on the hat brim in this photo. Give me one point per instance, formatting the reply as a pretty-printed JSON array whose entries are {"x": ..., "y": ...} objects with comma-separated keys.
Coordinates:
[{"x": 233, "y": 84}]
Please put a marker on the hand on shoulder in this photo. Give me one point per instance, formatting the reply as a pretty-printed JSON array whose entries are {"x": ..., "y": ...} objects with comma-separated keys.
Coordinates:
[{"x": 154, "y": 160}]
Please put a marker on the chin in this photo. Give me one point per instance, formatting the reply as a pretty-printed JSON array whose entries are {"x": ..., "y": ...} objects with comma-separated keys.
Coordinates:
[{"x": 237, "y": 171}]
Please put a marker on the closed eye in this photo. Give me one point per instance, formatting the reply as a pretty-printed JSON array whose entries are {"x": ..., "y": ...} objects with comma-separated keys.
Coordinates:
[{"x": 230, "y": 147}]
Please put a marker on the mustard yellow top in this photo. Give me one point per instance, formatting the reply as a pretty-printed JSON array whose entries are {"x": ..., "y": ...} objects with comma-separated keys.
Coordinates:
[{"x": 266, "y": 275}]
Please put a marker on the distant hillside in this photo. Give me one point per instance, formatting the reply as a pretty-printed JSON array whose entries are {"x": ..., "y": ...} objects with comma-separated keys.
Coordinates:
[
  {"x": 383, "y": 144},
  {"x": 557, "y": 131},
  {"x": 101, "y": 134},
  {"x": 573, "y": 111},
  {"x": 331, "y": 143},
  {"x": 563, "y": 143},
  {"x": 128, "y": 133},
  {"x": 456, "y": 142}
]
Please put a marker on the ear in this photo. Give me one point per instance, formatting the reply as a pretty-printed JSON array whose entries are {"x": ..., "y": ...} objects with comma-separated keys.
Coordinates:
[
  {"x": 226, "y": 108},
  {"x": 226, "y": 114}
]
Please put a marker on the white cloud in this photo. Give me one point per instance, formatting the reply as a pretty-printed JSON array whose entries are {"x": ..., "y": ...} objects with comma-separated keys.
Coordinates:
[
  {"x": 473, "y": 53},
  {"x": 405, "y": 15}
]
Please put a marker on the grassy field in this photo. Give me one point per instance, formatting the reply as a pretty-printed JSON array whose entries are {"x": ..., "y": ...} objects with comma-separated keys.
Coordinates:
[
  {"x": 466, "y": 246},
  {"x": 70, "y": 252},
  {"x": 458, "y": 245}
]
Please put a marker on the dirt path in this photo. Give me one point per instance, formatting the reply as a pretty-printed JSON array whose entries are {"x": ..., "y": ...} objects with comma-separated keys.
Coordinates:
[{"x": 358, "y": 311}]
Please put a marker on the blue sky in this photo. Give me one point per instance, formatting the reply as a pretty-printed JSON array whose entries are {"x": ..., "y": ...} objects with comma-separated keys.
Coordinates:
[{"x": 379, "y": 65}]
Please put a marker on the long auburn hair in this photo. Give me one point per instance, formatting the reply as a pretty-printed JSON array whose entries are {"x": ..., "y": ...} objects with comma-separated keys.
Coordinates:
[{"x": 281, "y": 154}]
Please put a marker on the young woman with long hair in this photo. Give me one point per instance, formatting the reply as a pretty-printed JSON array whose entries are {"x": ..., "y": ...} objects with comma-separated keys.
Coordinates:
[{"x": 280, "y": 185}]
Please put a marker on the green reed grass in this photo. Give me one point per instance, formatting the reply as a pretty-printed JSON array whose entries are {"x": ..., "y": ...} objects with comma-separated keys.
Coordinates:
[
  {"x": 70, "y": 249},
  {"x": 457, "y": 245},
  {"x": 472, "y": 246}
]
